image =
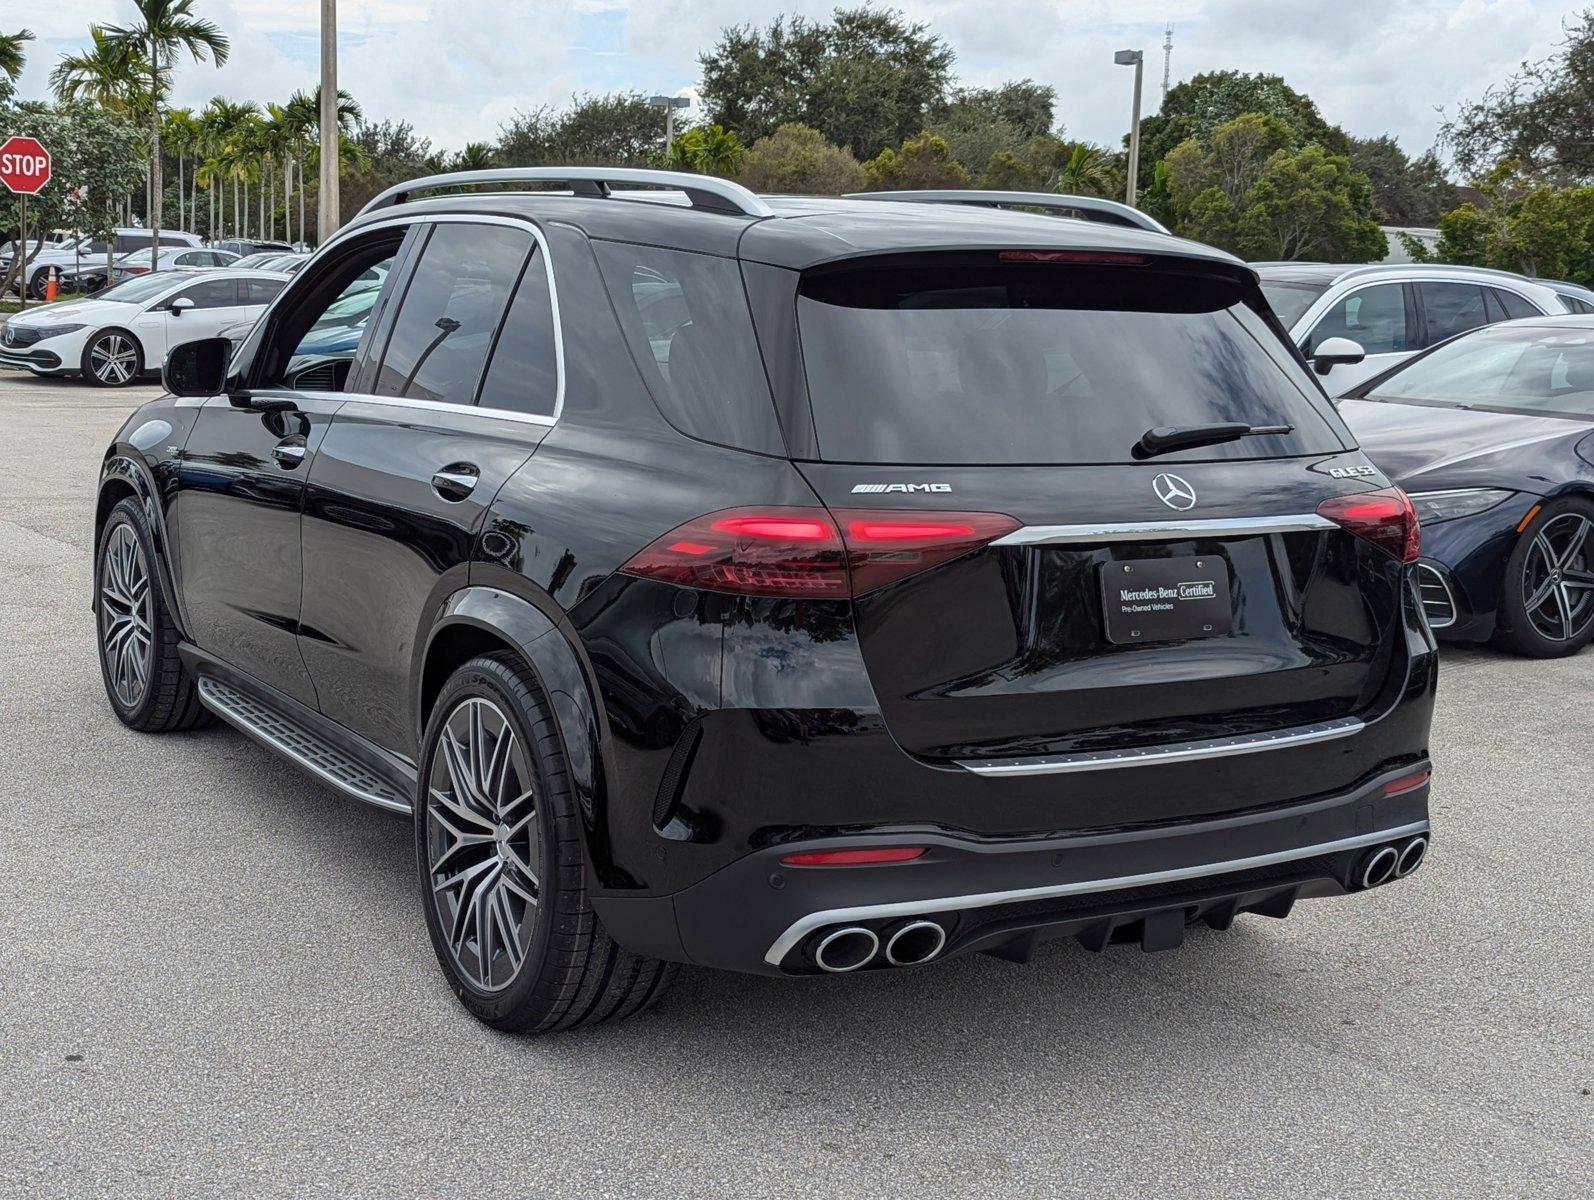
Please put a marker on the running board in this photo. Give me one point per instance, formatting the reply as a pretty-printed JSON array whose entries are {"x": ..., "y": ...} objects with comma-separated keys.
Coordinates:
[{"x": 308, "y": 749}]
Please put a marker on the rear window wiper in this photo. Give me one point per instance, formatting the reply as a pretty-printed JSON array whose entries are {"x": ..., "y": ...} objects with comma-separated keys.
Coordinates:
[{"x": 1165, "y": 439}]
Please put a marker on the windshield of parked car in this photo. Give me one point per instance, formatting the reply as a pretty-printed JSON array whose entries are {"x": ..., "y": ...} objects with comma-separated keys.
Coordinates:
[
  {"x": 1520, "y": 368},
  {"x": 140, "y": 288},
  {"x": 1290, "y": 299},
  {"x": 1032, "y": 362}
]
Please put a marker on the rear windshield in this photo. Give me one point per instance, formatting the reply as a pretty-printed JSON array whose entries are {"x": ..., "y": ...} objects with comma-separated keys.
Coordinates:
[{"x": 1042, "y": 363}]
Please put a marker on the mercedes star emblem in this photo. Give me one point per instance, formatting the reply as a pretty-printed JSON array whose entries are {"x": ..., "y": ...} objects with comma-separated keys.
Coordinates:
[{"x": 1174, "y": 492}]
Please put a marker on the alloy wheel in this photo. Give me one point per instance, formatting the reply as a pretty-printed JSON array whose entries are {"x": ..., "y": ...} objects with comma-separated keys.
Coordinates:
[
  {"x": 126, "y": 619},
  {"x": 1558, "y": 578},
  {"x": 113, "y": 359},
  {"x": 483, "y": 843}
]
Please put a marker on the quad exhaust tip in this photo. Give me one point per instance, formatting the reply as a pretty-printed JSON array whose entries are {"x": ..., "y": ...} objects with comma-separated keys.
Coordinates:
[
  {"x": 915, "y": 942},
  {"x": 846, "y": 949}
]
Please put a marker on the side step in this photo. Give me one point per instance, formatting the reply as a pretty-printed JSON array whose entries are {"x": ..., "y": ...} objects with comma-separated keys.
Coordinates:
[{"x": 305, "y": 747}]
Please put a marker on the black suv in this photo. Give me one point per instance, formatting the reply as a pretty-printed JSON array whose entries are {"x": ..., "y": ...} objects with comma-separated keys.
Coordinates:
[{"x": 786, "y": 585}]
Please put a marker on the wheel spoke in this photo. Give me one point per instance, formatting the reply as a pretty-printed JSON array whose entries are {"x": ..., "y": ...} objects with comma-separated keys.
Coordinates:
[
  {"x": 508, "y": 929},
  {"x": 1564, "y": 610},
  {"x": 1544, "y": 592},
  {"x": 1574, "y": 545}
]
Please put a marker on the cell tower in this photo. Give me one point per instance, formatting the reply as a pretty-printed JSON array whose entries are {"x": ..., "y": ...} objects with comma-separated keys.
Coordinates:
[{"x": 1167, "y": 61}]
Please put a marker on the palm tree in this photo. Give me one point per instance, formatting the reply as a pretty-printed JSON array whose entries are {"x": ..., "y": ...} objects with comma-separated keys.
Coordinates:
[
  {"x": 303, "y": 112},
  {"x": 164, "y": 29},
  {"x": 475, "y": 156},
  {"x": 12, "y": 56},
  {"x": 107, "y": 75},
  {"x": 221, "y": 119},
  {"x": 1088, "y": 172},
  {"x": 181, "y": 134}
]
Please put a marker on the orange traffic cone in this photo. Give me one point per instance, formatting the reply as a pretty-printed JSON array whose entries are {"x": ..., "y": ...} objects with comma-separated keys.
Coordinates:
[{"x": 52, "y": 287}]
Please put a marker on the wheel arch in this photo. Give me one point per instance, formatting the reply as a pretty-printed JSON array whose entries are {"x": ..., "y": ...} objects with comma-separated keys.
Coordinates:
[{"x": 125, "y": 476}]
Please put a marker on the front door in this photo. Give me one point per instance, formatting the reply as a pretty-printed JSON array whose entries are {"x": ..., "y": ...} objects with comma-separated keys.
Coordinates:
[{"x": 1381, "y": 319}]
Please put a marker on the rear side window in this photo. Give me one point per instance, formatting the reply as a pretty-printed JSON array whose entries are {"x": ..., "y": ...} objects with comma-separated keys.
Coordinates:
[
  {"x": 1372, "y": 317},
  {"x": 1042, "y": 363},
  {"x": 1451, "y": 308},
  {"x": 261, "y": 291},
  {"x": 450, "y": 312},
  {"x": 1514, "y": 306},
  {"x": 524, "y": 374},
  {"x": 686, "y": 320}
]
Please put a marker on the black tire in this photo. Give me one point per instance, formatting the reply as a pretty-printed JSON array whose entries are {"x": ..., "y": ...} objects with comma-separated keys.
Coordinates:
[
  {"x": 41, "y": 280},
  {"x": 572, "y": 972},
  {"x": 167, "y": 699},
  {"x": 1534, "y": 633},
  {"x": 114, "y": 343}
]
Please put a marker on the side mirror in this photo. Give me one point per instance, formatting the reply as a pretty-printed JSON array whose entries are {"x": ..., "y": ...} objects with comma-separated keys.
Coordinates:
[
  {"x": 197, "y": 368},
  {"x": 1336, "y": 352},
  {"x": 181, "y": 305}
]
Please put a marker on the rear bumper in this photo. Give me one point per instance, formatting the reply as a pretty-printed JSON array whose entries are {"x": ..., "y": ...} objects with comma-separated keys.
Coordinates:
[{"x": 1002, "y": 896}]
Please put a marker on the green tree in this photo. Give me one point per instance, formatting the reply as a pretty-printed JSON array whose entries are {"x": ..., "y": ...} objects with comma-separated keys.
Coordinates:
[
  {"x": 1406, "y": 191},
  {"x": 866, "y": 80},
  {"x": 1089, "y": 171},
  {"x": 923, "y": 162},
  {"x": 13, "y": 57},
  {"x": 1199, "y": 105},
  {"x": 617, "y": 130},
  {"x": 709, "y": 150},
  {"x": 108, "y": 74},
  {"x": 163, "y": 30},
  {"x": 473, "y": 156},
  {"x": 1005, "y": 130},
  {"x": 797, "y": 159},
  {"x": 1527, "y": 225},
  {"x": 1540, "y": 118}
]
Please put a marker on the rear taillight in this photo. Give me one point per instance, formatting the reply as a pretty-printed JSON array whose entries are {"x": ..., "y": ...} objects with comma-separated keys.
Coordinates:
[
  {"x": 870, "y": 856},
  {"x": 812, "y": 552},
  {"x": 1385, "y": 518}
]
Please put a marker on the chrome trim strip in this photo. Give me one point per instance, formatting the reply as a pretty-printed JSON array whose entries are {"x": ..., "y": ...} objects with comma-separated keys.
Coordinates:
[
  {"x": 1158, "y": 756},
  {"x": 1163, "y": 531},
  {"x": 1450, "y": 597},
  {"x": 801, "y": 928}
]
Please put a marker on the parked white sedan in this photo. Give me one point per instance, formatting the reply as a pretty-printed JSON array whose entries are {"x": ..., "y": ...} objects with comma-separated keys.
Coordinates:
[{"x": 125, "y": 331}]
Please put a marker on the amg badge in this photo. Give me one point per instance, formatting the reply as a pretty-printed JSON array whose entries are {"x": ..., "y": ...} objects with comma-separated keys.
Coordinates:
[{"x": 878, "y": 488}]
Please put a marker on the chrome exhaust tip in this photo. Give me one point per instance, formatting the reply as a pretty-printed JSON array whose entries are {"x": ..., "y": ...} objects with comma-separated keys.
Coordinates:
[
  {"x": 1411, "y": 856},
  {"x": 914, "y": 943},
  {"x": 1380, "y": 866},
  {"x": 846, "y": 949}
]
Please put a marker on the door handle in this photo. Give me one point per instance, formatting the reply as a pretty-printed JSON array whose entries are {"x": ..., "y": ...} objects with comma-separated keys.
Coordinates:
[
  {"x": 289, "y": 452},
  {"x": 456, "y": 481}
]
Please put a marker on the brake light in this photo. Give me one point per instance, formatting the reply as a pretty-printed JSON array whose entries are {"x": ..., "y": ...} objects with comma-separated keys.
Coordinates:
[
  {"x": 1073, "y": 256},
  {"x": 854, "y": 858},
  {"x": 1385, "y": 518},
  {"x": 812, "y": 552}
]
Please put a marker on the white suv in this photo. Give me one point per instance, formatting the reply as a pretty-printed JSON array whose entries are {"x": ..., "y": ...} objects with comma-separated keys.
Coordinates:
[{"x": 1392, "y": 311}]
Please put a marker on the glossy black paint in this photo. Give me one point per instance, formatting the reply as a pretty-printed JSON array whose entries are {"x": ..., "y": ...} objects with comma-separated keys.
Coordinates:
[
  {"x": 1433, "y": 447},
  {"x": 705, "y": 730}
]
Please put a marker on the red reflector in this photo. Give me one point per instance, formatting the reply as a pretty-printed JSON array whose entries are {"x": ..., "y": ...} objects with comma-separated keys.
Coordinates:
[
  {"x": 1073, "y": 256},
  {"x": 1406, "y": 783},
  {"x": 804, "y": 551},
  {"x": 853, "y": 858},
  {"x": 1385, "y": 518}
]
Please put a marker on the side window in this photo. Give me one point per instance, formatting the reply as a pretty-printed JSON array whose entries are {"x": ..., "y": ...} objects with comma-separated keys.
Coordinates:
[
  {"x": 450, "y": 312},
  {"x": 326, "y": 329},
  {"x": 261, "y": 291},
  {"x": 213, "y": 293},
  {"x": 1451, "y": 308},
  {"x": 523, "y": 375},
  {"x": 1374, "y": 318},
  {"x": 1513, "y": 305},
  {"x": 193, "y": 260}
]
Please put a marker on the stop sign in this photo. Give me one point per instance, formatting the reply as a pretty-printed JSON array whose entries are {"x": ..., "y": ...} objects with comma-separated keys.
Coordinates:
[{"x": 24, "y": 165}]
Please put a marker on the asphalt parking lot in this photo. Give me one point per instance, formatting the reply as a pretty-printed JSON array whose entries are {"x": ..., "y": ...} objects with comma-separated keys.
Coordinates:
[{"x": 216, "y": 981}]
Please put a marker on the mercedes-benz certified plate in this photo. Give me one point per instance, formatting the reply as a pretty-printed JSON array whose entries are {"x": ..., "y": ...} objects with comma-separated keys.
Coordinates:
[{"x": 1165, "y": 599}]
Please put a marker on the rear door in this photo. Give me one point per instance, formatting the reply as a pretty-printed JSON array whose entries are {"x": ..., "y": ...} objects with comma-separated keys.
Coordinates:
[
  {"x": 1141, "y": 600},
  {"x": 413, "y": 461}
]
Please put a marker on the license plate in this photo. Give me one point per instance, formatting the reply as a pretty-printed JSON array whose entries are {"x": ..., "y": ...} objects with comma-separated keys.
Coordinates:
[{"x": 1165, "y": 599}]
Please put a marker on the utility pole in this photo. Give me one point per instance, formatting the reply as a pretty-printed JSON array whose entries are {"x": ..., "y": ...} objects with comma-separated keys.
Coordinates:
[
  {"x": 1167, "y": 61},
  {"x": 669, "y": 104},
  {"x": 1137, "y": 60},
  {"x": 327, "y": 221}
]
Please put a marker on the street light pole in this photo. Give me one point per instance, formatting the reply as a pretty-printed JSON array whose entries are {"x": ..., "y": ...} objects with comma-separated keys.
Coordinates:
[
  {"x": 669, "y": 104},
  {"x": 1136, "y": 59},
  {"x": 327, "y": 202}
]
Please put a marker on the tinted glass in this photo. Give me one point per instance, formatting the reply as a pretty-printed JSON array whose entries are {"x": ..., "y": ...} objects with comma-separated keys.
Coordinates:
[
  {"x": 523, "y": 375},
  {"x": 1291, "y": 300},
  {"x": 1451, "y": 308},
  {"x": 1527, "y": 368},
  {"x": 450, "y": 312},
  {"x": 320, "y": 359},
  {"x": 213, "y": 293},
  {"x": 1573, "y": 305},
  {"x": 261, "y": 291},
  {"x": 1036, "y": 363},
  {"x": 686, "y": 319},
  {"x": 1513, "y": 305},
  {"x": 138, "y": 289},
  {"x": 1374, "y": 318}
]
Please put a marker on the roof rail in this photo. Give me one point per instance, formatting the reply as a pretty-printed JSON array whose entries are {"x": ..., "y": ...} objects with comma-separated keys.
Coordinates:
[
  {"x": 1094, "y": 207},
  {"x": 704, "y": 191},
  {"x": 1458, "y": 268}
]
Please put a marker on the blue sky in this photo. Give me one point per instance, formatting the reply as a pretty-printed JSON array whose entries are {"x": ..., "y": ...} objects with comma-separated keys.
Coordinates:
[{"x": 456, "y": 69}]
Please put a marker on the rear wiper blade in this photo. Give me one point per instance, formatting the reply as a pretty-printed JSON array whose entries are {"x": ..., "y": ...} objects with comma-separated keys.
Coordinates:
[{"x": 1165, "y": 439}]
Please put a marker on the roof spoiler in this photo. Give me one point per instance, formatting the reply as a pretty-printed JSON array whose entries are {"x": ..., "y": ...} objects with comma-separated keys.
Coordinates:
[
  {"x": 703, "y": 191},
  {"x": 1091, "y": 208}
]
